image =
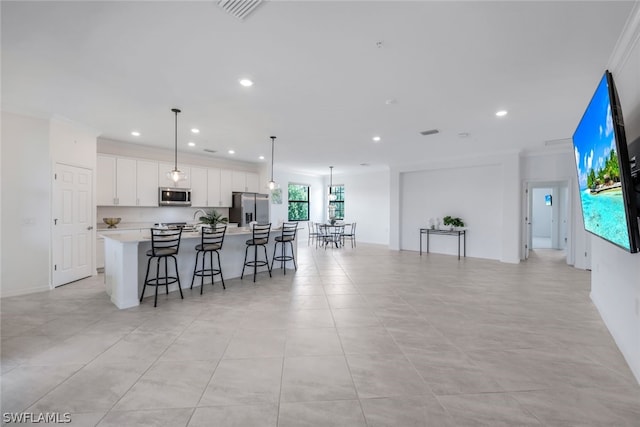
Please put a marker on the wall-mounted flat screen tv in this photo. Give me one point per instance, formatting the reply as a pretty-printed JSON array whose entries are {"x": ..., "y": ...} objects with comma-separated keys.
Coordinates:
[{"x": 604, "y": 175}]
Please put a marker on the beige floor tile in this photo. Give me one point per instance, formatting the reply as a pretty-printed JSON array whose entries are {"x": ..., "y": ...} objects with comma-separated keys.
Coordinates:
[
  {"x": 316, "y": 378},
  {"x": 168, "y": 385},
  {"x": 235, "y": 416},
  {"x": 94, "y": 388},
  {"x": 244, "y": 382},
  {"x": 321, "y": 414}
]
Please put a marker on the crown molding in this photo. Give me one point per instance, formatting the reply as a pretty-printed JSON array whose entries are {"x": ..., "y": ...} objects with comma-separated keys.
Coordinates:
[{"x": 627, "y": 41}]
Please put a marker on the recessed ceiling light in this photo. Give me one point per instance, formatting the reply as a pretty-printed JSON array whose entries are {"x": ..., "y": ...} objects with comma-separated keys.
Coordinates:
[
  {"x": 391, "y": 101},
  {"x": 191, "y": 144},
  {"x": 135, "y": 133},
  {"x": 194, "y": 130},
  {"x": 376, "y": 138},
  {"x": 246, "y": 82},
  {"x": 501, "y": 113},
  {"x": 261, "y": 157},
  {"x": 231, "y": 152}
]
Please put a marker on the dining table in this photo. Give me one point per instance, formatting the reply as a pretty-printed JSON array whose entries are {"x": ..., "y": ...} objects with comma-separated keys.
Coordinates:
[{"x": 329, "y": 233}]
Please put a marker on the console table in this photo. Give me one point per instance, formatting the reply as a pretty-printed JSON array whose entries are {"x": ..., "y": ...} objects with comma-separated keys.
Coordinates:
[{"x": 460, "y": 233}]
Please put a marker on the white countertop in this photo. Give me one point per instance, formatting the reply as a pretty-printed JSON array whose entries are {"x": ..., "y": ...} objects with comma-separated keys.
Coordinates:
[{"x": 127, "y": 236}]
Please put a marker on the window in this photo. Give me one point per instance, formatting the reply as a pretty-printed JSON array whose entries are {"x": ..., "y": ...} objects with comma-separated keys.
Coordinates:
[
  {"x": 298, "y": 202},
  {"x": 338, "y": 190}
]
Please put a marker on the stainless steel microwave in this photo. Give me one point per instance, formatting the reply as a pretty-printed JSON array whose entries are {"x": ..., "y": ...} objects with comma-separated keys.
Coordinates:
[{"x": 172, "y": 196}]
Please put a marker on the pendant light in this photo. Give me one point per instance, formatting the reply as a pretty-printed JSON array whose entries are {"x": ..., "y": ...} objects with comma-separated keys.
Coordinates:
[
  {"x": 175, "y": 174},
  {"x": 272, "y": 183},
  {"x": 332, "y": 196}
]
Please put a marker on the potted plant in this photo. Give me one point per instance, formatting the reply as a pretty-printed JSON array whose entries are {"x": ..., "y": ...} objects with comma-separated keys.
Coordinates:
[
  {"x": 213, "y": 218},
  {"x": 452, "y": 222}
]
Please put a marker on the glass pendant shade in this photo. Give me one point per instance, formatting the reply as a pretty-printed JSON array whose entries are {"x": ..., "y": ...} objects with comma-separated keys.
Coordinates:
[
  {"x": 332, "y": 197},
  {"x": 272, "y": 185},
  {"x": 176, "y": 174}
]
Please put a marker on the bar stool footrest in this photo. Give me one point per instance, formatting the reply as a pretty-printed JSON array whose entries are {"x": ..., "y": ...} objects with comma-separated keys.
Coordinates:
[{"x": 161, "y": 281}]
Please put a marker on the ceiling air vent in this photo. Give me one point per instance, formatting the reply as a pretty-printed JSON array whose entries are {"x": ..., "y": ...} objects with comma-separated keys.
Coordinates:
[
  {"x": 208, "y": 150},
  {"x": 239, "y": 8},
  {"x": 429, "y": 132}
]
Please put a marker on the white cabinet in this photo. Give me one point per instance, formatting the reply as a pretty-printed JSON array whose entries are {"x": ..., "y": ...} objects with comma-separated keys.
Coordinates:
[
  {"x": 225, "y": 188},
  {"x": 126, "y": 182},
  {"x": 219, "y": 187},
  {"x": 199, "y": 184},
  {"x": 238, "y": 181},
  {"x": 106, "y": 181},
  {"x": 146, "y": 183},
  {"x": 245, "y": 181},
  {"x": 164, "y": 181},
  {"x": 253, "y": 182}
]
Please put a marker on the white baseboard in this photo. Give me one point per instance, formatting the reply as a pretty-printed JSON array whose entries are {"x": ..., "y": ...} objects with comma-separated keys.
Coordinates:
[{"x": 25, "y": 291}]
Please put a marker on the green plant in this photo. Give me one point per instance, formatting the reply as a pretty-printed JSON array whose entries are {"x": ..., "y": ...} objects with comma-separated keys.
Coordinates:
[
  {"x": 455, "y": 222},
  {"x": 213, "y": 217}
]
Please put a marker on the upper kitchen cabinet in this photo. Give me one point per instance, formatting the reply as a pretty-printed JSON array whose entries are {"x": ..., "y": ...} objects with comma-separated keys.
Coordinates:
[
  {"x": 126, "y": 182},
  {"x": 116, "y": 183},
  {"x": 164, "y": 181},
  {"x": 245, "y": 181},
  {"x": 219, "y": 187},
  {"x": 106, "y": 181},
  {"x": 126, "y": 179},
  {"x": 226, "y": 198},
  {"x": 199, "y": 187},
  {"x": 146, "y": 183}
]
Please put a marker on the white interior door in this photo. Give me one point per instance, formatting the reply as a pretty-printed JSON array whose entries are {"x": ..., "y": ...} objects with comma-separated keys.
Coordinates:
[{"x": 73, "y": 224}]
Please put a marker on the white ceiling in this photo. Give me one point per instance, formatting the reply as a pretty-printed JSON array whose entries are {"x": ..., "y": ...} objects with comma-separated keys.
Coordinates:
[{"x": 321, "y": 81}]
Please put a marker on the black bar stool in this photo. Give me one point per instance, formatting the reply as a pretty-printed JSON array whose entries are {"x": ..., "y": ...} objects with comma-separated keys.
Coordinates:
[
  {"x": 164, "y": 244},
  {"x": 260, "y": 238},
  {"x": 288, "y": 235},
  {"x": 210, "y": 242}
]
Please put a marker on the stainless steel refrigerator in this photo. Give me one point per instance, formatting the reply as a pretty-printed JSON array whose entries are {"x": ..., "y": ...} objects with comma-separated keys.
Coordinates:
[{"x": 249, "y": 207}]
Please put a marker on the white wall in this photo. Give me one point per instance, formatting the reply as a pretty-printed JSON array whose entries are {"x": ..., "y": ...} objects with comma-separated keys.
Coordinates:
[
  {"x": 615, "y": 277},
  {"x": 453, "y": 191},
  {"x": 26, "y": 186},
  {"x": 484, "y": 192},
  {"x": 366, "y": 201},
  {"x": 367, "y": 204},
  {"x": 316, "y": 204},
  {"x": 541, "y": 213}
]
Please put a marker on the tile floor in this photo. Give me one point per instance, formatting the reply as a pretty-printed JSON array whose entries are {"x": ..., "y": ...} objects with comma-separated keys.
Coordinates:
[{"x": 357, "y": 337}]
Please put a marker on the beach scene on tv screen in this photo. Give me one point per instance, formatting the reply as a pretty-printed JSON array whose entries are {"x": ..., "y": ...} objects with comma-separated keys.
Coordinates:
[{"x": 599, "y": 171}]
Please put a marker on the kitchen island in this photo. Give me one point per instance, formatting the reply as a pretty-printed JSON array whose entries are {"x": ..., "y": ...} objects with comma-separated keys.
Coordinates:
[{"x": 126, "y": 261}]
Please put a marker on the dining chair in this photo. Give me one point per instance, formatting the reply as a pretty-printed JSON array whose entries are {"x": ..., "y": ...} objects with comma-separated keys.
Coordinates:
[
  {"x": 350, "y": 233},
  {"x": 333, "y": 235},
  {"x": 313, "y": 232}
]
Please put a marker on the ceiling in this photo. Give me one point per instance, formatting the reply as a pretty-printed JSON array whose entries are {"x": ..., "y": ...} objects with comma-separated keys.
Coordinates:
[{"x": 328, "y": 75}]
